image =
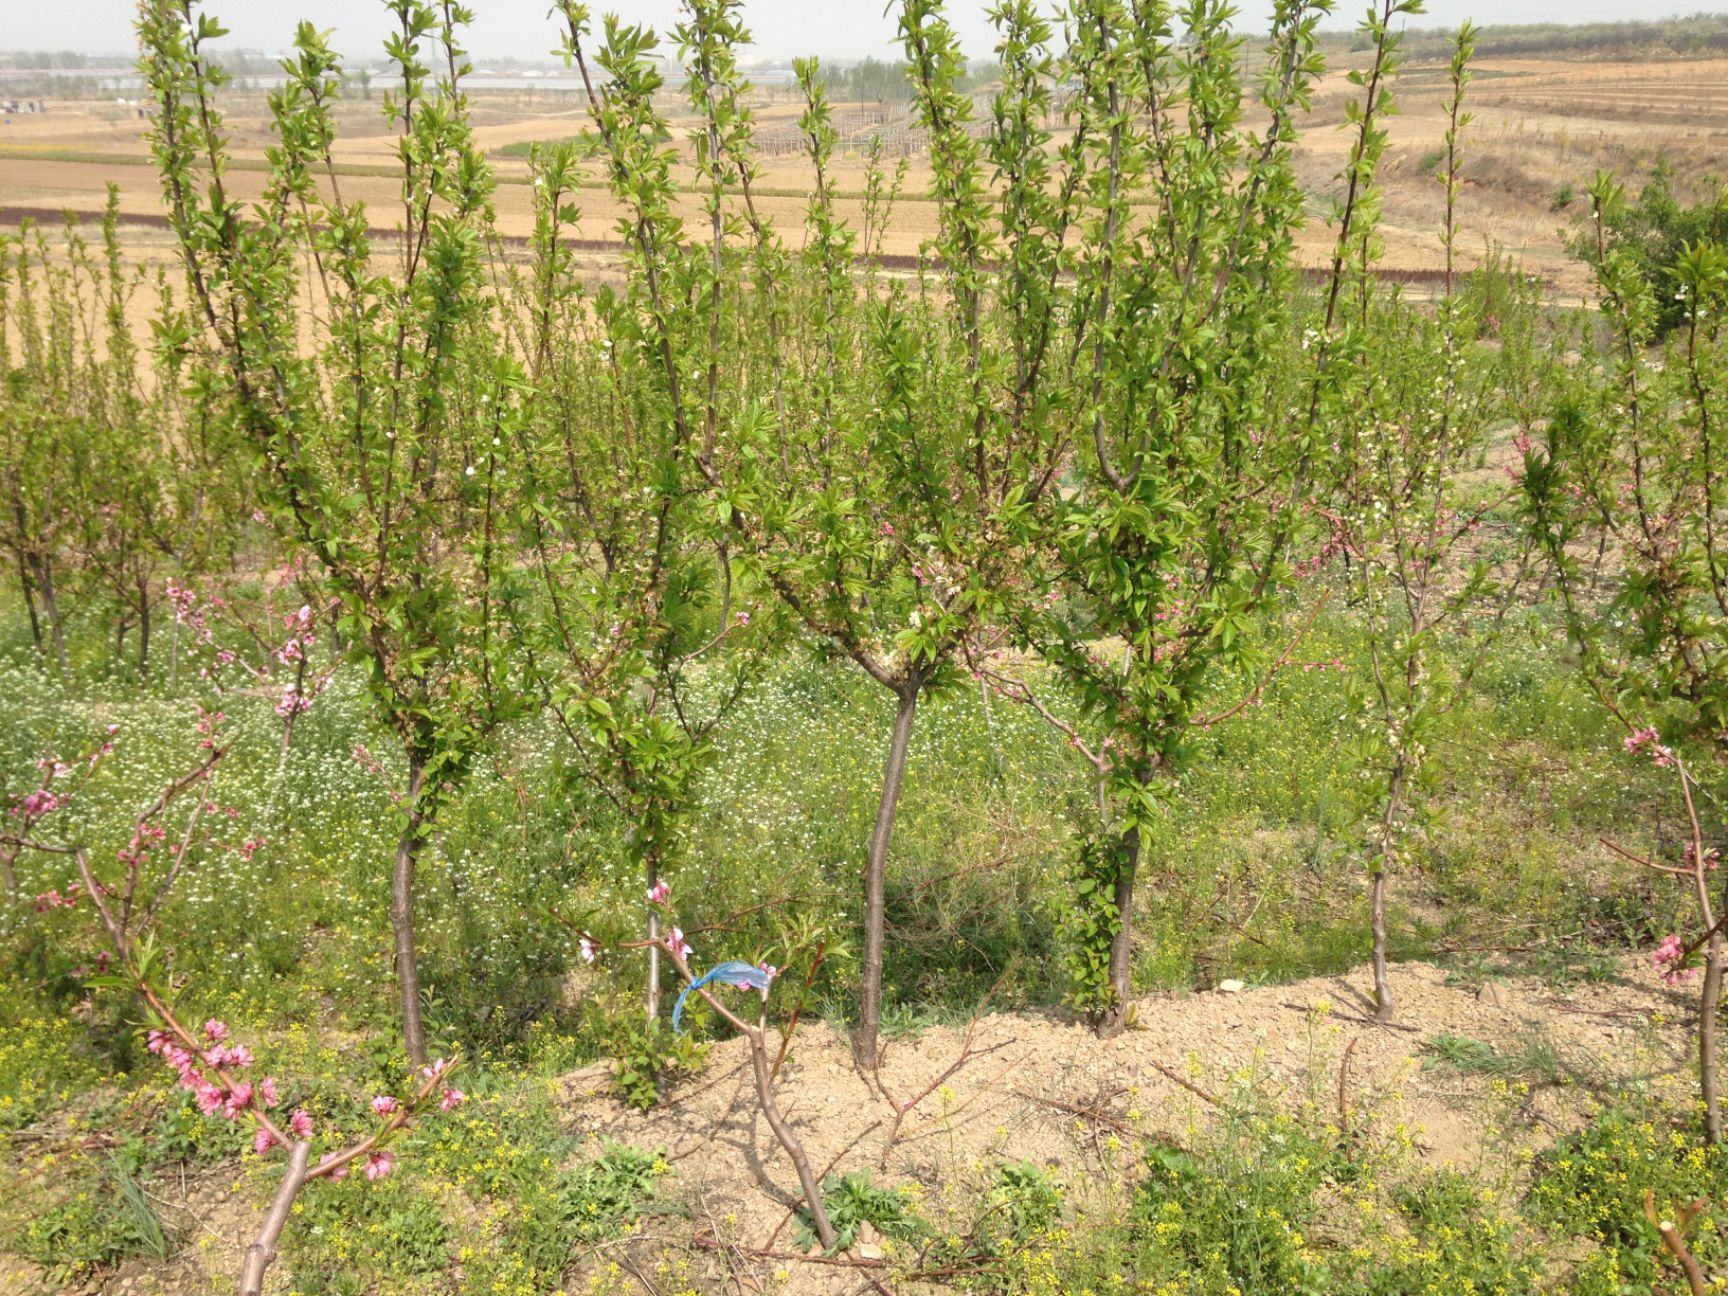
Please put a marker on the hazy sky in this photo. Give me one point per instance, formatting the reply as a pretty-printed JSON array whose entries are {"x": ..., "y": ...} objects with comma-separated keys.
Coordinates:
[{"x": 832, "y": 28}]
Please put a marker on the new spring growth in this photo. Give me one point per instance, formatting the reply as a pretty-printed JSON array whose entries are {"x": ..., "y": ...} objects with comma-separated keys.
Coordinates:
[{"x": 209, "y": 1065}]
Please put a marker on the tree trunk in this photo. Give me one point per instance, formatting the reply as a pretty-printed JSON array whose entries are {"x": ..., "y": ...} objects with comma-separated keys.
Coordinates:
[
  {"x": 50, "y": 606},
  {"x": 865, "y": 1045},
  {"x": 1115, "y": 1018},
  {"x": 29, "y": 589},
  {"x": 143, "y": 631},
  {"x": 1384, "y": 1008},
  {"x": 1383, "y": 1005},
  {"x": 402, "y": 916},
  {"x": 174, "y": 642},
  {"x": 288, "y": 721},
  {"x": 653, "y": 874},
  {"x": 1709, "y": 1005}
]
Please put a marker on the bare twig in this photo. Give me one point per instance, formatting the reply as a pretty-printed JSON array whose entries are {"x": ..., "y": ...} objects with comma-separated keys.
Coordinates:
[
  {"x": 1176, "y": 1077},
  {"x": 1092, "y": 1114}
]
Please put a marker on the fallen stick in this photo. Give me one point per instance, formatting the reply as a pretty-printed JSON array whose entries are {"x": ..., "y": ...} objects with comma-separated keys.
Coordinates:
[
  {"x": 1087, "y": 1113},
  {"x": 1344, "y": 1094},
  {"x": 1172, "y": 1075}
]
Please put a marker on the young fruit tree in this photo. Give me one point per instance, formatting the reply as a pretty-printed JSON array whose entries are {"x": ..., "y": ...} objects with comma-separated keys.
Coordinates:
[
  {"x": 1205, "y": 428},
  {"x": 1435, "y": 558},
  {"x": 377, "y": 403},
  {"x": 127, "y": 897},
  {"x": 646, "y": 640},
  {"x": 1627, "y": 498},
  {"x": 96, "y": 499},
  {"x": 734, "y": 974},
  {"x": 869, "y": 456}
]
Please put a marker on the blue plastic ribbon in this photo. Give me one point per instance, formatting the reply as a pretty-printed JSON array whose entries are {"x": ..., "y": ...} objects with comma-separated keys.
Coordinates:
[{"x": 746, "y": 976}]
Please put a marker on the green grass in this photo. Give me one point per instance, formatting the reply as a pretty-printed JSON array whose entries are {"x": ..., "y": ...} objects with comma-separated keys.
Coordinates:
[{"x": 1255, "y": 874}]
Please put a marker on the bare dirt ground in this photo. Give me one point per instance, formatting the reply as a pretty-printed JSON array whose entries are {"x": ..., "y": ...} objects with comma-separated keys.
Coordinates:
[{"x": 955, "y": 1103}]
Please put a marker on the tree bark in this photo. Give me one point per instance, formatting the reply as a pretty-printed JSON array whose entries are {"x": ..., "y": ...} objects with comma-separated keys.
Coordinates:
[
  {"x": 1384, "y": 1008},
  {"x": 174, "y": 643},
  {"x": 865, "y": 1045},
  {"x": 402, "y": 916},
  {"x": 783, "y": 1132},
  {"x": 1709, "y": 1006},
  {"x": 25, "y": 584},
  {"x": 278, "y": 787},
  {"x": 653, "y": 948},
  {"x": 262, "y": 1253},
  {"x": 1710, "y": 994},
  {"x": 143, "y": 631},
  {"x": 51, "y": 607},
  {"x": 1115, "y": 1018}
]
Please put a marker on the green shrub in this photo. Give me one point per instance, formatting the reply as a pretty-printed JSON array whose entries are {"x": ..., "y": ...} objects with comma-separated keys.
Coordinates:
[
  {"x": 1655, "y": 230},
  {"x": 357, "y": 1237},
  {"x": 1239, "y": 1218},
  {"x": 854, "y": 1200},
  {"x": 1592, "y": 1184}
]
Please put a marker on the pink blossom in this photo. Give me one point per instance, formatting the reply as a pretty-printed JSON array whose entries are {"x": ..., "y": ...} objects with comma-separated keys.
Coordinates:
[
  {"x": 263, "y": 1141},
  {"x": 1666, "y": 958},
  {"x": 238, "y": 1100},
  {"x": 384, "y": 1105},
  {"x": 215, "y": 1030},
  {"x": 452, "y": 1099},
  {"x": 677, "y": 944},
  {"x": 209, "y": 1097},
  {"x": 658, "y": 892},
  {"x": 52, "y": 899},
  {"x": 379, "y": 1164},
  {"x": 36, "y": 804},
  {"x": 237, "y": 1055},
  {"x": 1712, "y": 858},
  {"x": 436, "y": 1068},
  {"x": 590, "y": 951},
  {"x": 292, "y": 702},
  {"x": 887, "y": 528},
  {"x": 301, "y": 1123},
  {"x": 1641, "y": 740},
  {"x": 267, "y": 1094}
]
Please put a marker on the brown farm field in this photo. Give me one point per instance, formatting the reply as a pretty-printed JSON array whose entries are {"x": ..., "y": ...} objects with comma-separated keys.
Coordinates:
[{"x": 1542, "y": 128}]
